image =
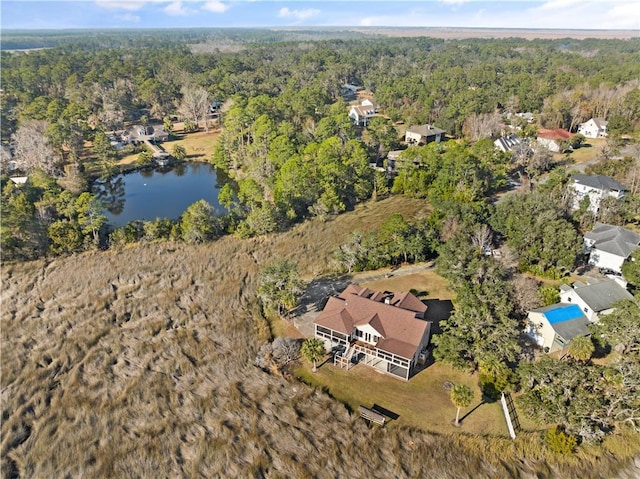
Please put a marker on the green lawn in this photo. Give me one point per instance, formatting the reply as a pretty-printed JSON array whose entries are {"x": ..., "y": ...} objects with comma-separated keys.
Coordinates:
[{"x": 420, "y": 402}]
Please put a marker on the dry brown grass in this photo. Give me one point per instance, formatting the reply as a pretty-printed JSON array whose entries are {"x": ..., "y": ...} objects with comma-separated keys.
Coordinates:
[{"x": 138, "y": 363}]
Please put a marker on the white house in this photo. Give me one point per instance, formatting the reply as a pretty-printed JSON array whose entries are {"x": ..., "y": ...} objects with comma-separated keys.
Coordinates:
[
  {"x": 385, "y": 331},
  {"x": 594, "y": 297},
  {"x": 596, "y": 187},
  {"x": 507, "y": 143},
  {"x": 594, "y": 128},
  {"x": 554, "y": 326},
  {"x": 553, "y": 139},
  {"x": 609, "y": 246},
  {"x": 361, "y": 114},
  {"x": 423, "y": 134},
  {"x": 140, "y": 134}
]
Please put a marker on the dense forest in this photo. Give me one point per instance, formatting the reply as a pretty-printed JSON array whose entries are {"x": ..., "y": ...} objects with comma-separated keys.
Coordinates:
[
  {"x": 284, "y": 117},
  {"x": 292, "y": 153}
]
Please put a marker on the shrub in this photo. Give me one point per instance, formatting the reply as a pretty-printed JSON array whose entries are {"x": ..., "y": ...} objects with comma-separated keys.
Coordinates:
[
  {"x": 560, "y": 442},
  {"x": 550, "y": 295}
]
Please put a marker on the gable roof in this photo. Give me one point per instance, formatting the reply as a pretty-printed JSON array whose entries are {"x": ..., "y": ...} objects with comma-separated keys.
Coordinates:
[
  {"x": 556, "y": 134},
  {"x": 409, "y": 302},
  {"x": 600, "y": 182},
  {"x": 600, "y": 295},
  {"x": 506, "y": 143},
  {"x": 399, "y": 329},
  {"x": 613, "y": 239},
  {"x": 425, "y": 130},
  {"x": 600, "y": 122},
  {"x": 364, "y": 111},
  {"x": 566, "y": 319}
]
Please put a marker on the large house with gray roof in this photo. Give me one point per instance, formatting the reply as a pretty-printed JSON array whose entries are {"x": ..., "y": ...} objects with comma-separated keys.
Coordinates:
[
  {"x": 596, "y": 188},
  {"x": 386, "y": 331},
  {"x": 609, "y": 246}
]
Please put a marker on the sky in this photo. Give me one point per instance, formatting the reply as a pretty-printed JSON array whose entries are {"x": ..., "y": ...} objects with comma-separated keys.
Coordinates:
[{"x": 556, "y": 14}]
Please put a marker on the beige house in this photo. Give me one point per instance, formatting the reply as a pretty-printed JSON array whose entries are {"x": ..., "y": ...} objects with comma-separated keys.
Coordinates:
[
  {"x": 553, "y": 327},
  {"x": 553, "y": 139},
  {"x": 386, "y": 331},
  {"x": 423, "y": 134}
]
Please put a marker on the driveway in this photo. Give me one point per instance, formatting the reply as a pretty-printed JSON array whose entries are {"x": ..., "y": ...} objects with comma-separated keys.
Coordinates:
[{"x": 320, "y": 289}]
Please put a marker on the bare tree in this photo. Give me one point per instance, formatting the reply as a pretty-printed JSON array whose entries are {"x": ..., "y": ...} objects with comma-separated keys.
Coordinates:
[
  {"x": 525, "y": 294},
  {"x": 540, "y": 161},
  {"x": 195, "y": 104},
  {"x": 32, "y": 148},
  {"x": 483, "y": 125},
  {"x": 482, "y": 237}
]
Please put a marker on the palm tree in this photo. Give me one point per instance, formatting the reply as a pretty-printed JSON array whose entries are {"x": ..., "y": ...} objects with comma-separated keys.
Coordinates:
[
  {"x": 313, "y": 350},
  {"x": 581, "y": 348},
  {"x": 461, "y": 396}
]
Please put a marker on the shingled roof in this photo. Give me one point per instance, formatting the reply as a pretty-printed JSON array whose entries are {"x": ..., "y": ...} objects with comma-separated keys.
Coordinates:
[
  {"x": 393, "y": 316},
  {"x": 613, "y": 239},
  {"x": 557, "y": 134},
  {"x": 425, "y": 130},
  {"x": 600, "y": 182},
  {"x": 600, "y": 295}
]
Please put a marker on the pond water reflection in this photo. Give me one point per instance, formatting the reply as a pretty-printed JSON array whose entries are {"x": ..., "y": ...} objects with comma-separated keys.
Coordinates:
[{"x": 158, "y": 193}]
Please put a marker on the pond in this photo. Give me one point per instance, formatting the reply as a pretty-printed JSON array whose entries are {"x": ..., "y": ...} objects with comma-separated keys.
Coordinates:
[{"x": 158, "y": 193}]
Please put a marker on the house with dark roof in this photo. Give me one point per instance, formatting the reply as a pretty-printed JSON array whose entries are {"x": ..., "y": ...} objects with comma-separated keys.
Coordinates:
[
  {"x": 609, "y": 246},
  {"x": 553, "y": 327},
  {"x": 595, "y": 297},
  {"x": 385, "y": 331},
  {"x": 508, "y": 143},
  {"x": 553, "y": 139},
  {"x": 596, "y": 188},
  {"x": 593, "y": 128},
  {"x": 423, "y": 134}
]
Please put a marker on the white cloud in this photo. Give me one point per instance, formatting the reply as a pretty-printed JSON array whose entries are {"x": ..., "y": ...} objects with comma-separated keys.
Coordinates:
[
  {"x": 454, "y": 2},
  {"x": 298, "y": 14},
  {"x": 555, "y": 5},
  {"x": 215, "y": 6},
  {"x": 176, "y": 9},
  {"x": 129, "y": 17},
  {"x": 121, "y": 4},
  {"x": 590, "y": 14}
]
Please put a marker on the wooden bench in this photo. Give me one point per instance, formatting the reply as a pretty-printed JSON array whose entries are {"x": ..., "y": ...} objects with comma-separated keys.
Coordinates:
[{"x": 371, "y": 415}]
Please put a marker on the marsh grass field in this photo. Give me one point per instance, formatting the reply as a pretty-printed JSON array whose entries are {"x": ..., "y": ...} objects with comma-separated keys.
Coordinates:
[{"x": 138, "y": 363}]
